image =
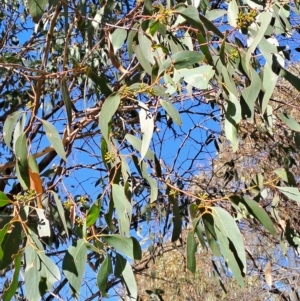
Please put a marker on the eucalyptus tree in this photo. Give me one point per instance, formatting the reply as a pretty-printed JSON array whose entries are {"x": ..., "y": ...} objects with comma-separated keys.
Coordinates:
[{"x": 107, "y": 111}]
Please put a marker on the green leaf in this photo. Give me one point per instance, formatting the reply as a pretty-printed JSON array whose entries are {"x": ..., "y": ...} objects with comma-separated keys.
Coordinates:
[
  {"x": 231, "y": 132},
  {"x": 49, "y": 270},
  {"x": 289, "y": 121},
  {"x": 147, "y": 128},
  {"x": 3, "y": 233},
  {"x": 199, "y": 231},
  {"x": 123, "y": 207},
  {"x": 61, "y": 211},
  {"x": 294, "y": 80},
  {"x": 119, "y": 265},
  {"x": 137, "y": 144},
  {"x": 269, "y": 83},
  {"x": 197, "y": 77},
  {"x": 130, "y": 282},
  {"x": 117, "y": 38},
  {"x": 191, "y": 14},
  {"x": 4, "y": 200},
  {"x": 103, "y": 274},
  {"x": 257, "y": 211},
  {"x": 215, "y": 14},
  {"x": 74, "y": 265},
  {"x": 229, "y": 256},
  {"x": 54, "y": 138},
  {"x": 177, "y": 223},
  {"x": 93, "y": 213},
  {"x": 128, "y": 246},
  {"x": 67, "y": 100},
  {"x": 32, "y": 275},
  {"x": 191, "y": 248},
  {"x": 211, "y": 235},
  {"x": 152, "y": 182},
  {"x": 100, "y": 82},
  {"x": 10, "y": 245},
  {"x": 286, "y": 176},
  {"x": 36, "y": 10},
  {"x": 233, "y": 11},
  {"x": 10, "y": 291},
  {"x": 291, "y": 192},
  {"x": 172, "y": 112},
  {"x": 22, "y": 163},
  {"x": 265, "y": 18},
  {"x": 108, "y": 110},
  {"x": 141, "y": 58},
  {"x": 9, "y": 126}
]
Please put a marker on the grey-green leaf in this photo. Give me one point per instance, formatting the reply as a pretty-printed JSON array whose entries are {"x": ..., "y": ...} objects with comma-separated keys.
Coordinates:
[
  {"x": 74, "y": 265},
  {"x": 61, "y": 211},
  {"x": 226, "y": 224},
  {"x": 123, "y": 207},
  {"x": 9, "y": 126},
  {"x": 108, "y": 110},
  {"x": 191, "y": 248},
  {"x": 172, "y": 111},
  {"x": 67, "y": 100},
  {"x": 289, "y": 121},
  {"x": 36, "y": 9},
  {"x": 54, "y": 138},
  {"x": 291, "y": 192},
  {"x": 128, "y": 246},
  {"x": 103, "y": 273}
]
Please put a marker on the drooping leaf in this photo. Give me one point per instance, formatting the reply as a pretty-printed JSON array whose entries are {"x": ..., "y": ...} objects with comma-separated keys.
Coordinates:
[
  {"x": 32, "y": 275},
  {"x": 229, "y": 256},
  {"x": 10, "y": 244},
  {"x": 130, "y": 282},
  {"x": 93, "y": 213},
  {"x": 228, "y": 227},
  {"x": 197, "y": 77},
  {"x": 10, "y": 291},
  {"x": 289, "y": 121},
  {"x": 123, "y": 207},
  {"x": 176, "y": 217},
  {"x": 211, "y": 235},
  {"x": 152, "y": 182},
  {"x": 100, "y": 82},
  {"x": 61, "y": 211},
  {"x": 119, "y": 265},
  {"x": 191, "y": 248},
  {"x": 233, "y": 11},
  {"x": 22, "y": 163},
  {"x": 294, "y": 80},
  {"x": 67, "y": 100},
  {"x": 257, "y": 211},
  {"x": 198, "y": 229},
  {"x": 291, "y": 192},
  {"x": 36, "y": 9},
  {"x": 128, "y": 246},
  {"x": 147, "y": 127},
  {"x": 108, "y": 110},
  {"x": 103, "y": 273},
  {"x": 54, "y": 138},
  {"x": 9, "y": 126},
  {"x": 171, "y": 110},
  {"x": 74, "y": 265},
  {"x": 286, "y": 176},
  {"x": 49, "y": 270}
]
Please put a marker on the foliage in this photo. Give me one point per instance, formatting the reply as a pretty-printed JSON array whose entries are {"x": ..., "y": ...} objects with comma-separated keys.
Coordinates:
[{"x": 107, "y": 110}]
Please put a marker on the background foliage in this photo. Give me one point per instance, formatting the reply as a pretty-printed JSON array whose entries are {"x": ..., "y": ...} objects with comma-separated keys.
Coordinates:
[{"x": 168, "y": 127}]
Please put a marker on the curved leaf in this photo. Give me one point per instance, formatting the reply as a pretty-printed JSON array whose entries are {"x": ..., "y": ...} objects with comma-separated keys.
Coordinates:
[{"x": 54, "y": 138}]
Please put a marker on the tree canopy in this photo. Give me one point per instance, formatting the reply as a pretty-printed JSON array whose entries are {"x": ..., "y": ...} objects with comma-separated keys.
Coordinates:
[{"x": 132, "y": 127}]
